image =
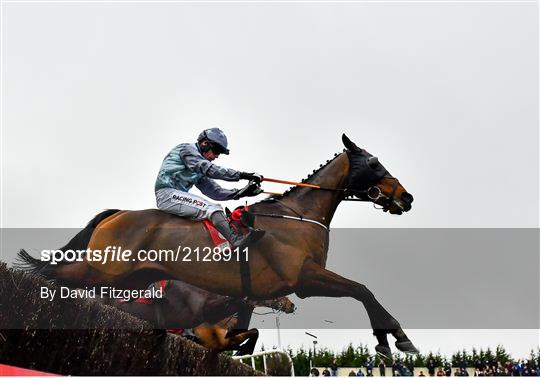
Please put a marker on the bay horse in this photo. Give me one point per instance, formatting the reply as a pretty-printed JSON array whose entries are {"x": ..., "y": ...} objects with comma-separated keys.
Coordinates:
[
  {"x": 217, "y": 322},
  {"x": 230, "y": 334},
  {"x": 290, "y": 258},
  {"x": 218, "y": 337}
]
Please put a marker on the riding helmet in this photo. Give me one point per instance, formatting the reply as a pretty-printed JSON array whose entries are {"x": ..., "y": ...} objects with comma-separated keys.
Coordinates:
[{"x": 217, "y": 139}]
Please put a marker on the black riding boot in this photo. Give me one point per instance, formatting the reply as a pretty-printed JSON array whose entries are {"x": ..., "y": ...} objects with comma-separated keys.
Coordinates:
[{"x": 236, "y": 240}]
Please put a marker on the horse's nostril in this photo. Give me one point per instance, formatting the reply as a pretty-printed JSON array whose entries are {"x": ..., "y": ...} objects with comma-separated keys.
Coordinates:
[{"x": 407, "y": 197}]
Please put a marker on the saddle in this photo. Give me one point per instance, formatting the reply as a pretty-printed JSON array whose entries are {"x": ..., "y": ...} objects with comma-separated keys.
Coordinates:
[{"x": 242, "y": 221}]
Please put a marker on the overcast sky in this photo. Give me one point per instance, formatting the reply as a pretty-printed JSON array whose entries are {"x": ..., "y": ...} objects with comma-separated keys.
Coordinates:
[{"x": 95, "y": 95}]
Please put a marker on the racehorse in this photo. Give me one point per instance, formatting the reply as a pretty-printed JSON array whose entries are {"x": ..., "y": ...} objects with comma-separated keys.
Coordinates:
[
  {"x": 217, "y": 322},
  {"x": 218, "y": 337},
  {"x": 290, "y": 258}
]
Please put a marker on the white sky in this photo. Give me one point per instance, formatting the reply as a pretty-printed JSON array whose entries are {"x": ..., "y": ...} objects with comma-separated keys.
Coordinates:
[{"x": 94, "y": 95}]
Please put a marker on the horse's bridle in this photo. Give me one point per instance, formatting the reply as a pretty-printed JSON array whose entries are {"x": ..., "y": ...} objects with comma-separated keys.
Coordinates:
[
  {"x": 366, "y": 195},
  {"x": 362, "y": 195}
]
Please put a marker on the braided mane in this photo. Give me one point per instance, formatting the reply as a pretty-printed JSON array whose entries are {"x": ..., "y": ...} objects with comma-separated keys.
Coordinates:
[{"x": 312, "y": 174}]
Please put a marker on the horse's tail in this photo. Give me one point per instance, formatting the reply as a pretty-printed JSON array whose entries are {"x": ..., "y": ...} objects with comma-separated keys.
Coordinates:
[
  {"x": 28, "y": 263},
  {"x": 78, "y": 242}
]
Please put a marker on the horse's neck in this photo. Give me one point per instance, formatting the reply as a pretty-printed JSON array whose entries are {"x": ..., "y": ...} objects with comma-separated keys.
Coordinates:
[{"x": 320, "y": 205}]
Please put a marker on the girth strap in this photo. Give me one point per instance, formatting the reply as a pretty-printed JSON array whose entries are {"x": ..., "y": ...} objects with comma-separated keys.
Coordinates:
[
  {"x": 159, "y": 311},
  {"x": 245, "y": 273}
]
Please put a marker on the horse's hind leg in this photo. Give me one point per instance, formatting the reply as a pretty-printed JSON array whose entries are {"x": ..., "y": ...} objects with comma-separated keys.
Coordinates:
[
  {"x": 317, "y": 281},
  {"x": 251, "y": 336}
]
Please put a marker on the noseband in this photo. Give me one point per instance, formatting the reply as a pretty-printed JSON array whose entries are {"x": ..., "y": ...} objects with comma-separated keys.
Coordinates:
[{"x": 367, "y": 195}]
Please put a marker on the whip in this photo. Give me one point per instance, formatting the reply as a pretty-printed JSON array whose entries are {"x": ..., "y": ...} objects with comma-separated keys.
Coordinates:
[
  {"x": 288, "y": 183},
  {"x": 291, "y": 183}
]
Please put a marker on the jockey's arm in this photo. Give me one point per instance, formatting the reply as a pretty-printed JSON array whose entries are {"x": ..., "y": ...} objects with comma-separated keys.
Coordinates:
[
  {"x": 214, "y": 191},
  {"x": 197, "y": 163}
]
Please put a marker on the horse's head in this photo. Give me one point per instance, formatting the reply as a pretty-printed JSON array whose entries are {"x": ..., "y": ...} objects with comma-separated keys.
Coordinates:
[{"x": 370, "y": 181}]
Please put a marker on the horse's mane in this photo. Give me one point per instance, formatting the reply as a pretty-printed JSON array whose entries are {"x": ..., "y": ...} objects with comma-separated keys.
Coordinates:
[{"x": 275, "y": 197}]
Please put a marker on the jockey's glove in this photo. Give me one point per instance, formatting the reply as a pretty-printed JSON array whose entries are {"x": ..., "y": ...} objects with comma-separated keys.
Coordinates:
[
  {"x": 252, "y": 176},
  {"x": 250, "y": 190}
]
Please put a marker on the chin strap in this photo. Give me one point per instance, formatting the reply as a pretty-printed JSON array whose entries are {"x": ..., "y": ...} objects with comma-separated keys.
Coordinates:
[{"x": 203, "y": 149}]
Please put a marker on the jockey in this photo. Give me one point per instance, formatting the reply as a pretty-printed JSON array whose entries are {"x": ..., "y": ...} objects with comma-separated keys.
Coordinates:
[{"x": 191, "y": 164}]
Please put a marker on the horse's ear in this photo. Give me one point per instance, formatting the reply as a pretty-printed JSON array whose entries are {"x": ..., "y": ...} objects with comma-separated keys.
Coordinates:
[
  {"x": 349, "y": 143},
  {"x": 373, "y": 162}
]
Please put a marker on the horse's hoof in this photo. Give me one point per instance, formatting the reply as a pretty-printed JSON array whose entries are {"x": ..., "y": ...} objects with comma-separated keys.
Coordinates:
[
  {"x": 406, "y": 346},
  {"x": 384, "y": 351},
  {"x": 244, "y": 350}
]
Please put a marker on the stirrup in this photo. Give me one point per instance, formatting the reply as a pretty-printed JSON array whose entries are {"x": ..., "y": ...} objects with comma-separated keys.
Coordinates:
[{"x": 253, "y": 236}]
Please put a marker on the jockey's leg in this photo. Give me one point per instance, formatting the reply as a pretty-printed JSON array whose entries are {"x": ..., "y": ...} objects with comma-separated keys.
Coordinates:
[
  {"x": 237, "y": 240},
  {"x": 185, "y": 205},
  {"x": 191, "y": 206}
]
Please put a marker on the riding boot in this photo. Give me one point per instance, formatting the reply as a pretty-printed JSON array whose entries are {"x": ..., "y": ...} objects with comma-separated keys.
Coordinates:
[{"x": 236, "y": 239}]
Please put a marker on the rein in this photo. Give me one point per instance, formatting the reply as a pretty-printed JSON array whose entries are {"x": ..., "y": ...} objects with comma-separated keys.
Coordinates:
[
  {"x": 364, "y": 196},
  {"x": 366, "y": 193}
]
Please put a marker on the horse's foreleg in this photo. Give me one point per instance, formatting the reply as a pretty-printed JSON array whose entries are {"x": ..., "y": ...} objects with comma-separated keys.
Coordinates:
[
  {"x": 316, "y": 281},
  {"x": 242, "y": 322},
  {"x": 217, "y": 309},
  {"x": 244, "y": 316}
]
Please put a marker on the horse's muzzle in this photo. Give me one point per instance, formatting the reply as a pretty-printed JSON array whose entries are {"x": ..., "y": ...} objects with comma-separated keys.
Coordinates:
[
  {"x": 407, "y": 197},
  {"x": 405, "y": 202}
]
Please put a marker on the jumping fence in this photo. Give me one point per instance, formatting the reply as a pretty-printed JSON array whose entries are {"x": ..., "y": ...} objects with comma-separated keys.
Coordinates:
[{"x": 84, "y": 337}]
